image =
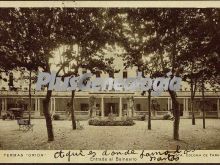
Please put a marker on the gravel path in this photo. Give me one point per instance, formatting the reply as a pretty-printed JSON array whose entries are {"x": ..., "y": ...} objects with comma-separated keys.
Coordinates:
[{"x": 110, "y": 137}]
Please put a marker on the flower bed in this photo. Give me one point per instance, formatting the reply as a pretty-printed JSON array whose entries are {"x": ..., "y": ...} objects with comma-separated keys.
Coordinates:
[{"x": 100, "y": 122}]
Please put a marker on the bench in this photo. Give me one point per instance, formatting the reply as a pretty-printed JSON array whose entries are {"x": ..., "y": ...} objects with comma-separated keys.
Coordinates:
[{"x": 25, "y": 125}]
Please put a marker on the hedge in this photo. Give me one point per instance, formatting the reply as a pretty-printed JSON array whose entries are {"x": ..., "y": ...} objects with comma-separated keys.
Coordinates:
[{"x": 99, "y": 122}]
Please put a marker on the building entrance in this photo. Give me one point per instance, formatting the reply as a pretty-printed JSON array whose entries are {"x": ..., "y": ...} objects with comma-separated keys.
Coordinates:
[{"x": 111, "y": 108}]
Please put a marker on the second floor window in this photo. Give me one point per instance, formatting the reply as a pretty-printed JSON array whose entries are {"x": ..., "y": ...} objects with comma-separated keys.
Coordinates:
[
  {"x": 125, "y": 74},
  {"x": 125, "y": 106},
  {"x": 84, "y": 107},
  {"x": 111, "y": 74},
  {"x": 98, "y": 74},
  {"x": 84, "y": 71}
]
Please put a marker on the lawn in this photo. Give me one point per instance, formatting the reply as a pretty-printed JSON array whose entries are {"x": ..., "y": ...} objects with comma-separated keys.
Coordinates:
[{"x": 112, "y": 137}]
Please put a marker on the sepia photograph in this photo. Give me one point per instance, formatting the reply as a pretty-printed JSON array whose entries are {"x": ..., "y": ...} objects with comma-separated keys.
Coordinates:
[{"x": 76, "y": 81}]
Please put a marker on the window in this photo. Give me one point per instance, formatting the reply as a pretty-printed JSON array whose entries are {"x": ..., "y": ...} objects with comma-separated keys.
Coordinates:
[
  {"x": 155, "y": 105},
  {"x": 181, "y": 109},
  {"x": 125, "y": 74},
  {"x": 137, "y": 71},
  {"x": 111, "y": 74},
  {"x": 84, "y": 71},
  {"x": 125, "y": 106},
  {"x": 214, "y": 107},
  {"x": 98, "y": 106},
  {"x": 197, "y": 105},
  {"x": 181, "y": 87},
  {"x": 98, "y": 74},
  {"x": 138, "y": 107},
  {"x": 84, "y": 107},
  {"x": 98, "y": 110},
  {"x": 11, "y": 80}
]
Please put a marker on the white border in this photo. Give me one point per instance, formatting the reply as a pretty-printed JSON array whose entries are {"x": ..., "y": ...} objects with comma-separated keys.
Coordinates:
[{"x": 112, "y": 4}]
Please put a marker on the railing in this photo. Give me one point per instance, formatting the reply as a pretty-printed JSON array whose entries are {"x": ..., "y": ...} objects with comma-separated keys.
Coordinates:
[
  {"x": 75, "y": 112},
  {"x": 27, "y": 112},
  {"x": 161, "y": 113},
  {"x": 140, "y": 113},
  {"x": 157, "y": 113},
  {"x": 136, "y": 94},
  {"x": 81, "y": 112},
  {"x": 212, "y": 113},
  {"x": 61, "y": 112},
  {"x": 196, "y": 114}
]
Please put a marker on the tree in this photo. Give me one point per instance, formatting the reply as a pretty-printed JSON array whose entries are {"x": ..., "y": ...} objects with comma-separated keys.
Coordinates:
[
  {"x": 134, "y": 38},
  {"x": 197, "y": 55},
  {"x": 211, "y": 62},
  {"x": 38, "y": 32},
  {"x": 30, "y": 35},
  {"x": 192, "y": 51},
  {"x": 163, "y": 27},
  {"x": 207, "y": 74},
  {"x": 8, "y": 58},
  {"x": 178, "y": 29},
  {"x": 91, "y": 62},
  {"x": 87, "y": 33}
]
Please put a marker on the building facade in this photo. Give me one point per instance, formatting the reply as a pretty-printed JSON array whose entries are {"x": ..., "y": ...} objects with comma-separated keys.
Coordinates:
[{"x": 118, "y": 103}]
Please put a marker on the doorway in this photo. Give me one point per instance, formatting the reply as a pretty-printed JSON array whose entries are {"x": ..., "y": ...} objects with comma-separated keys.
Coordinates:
[{"x": 111, "y": 108}]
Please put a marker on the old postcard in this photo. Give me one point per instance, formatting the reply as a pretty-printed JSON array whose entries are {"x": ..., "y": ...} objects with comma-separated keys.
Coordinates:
[{"x": 109, "y": 82}]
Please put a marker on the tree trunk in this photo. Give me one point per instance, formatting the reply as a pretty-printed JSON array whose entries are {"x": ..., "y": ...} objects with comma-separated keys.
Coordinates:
[
  {"x": 47, "y": 115},
  {"x": 30, "y": 101},
  {"x": 193, "y": 113},
  {"x": 192, "y": 105},
  {"x": 149, "y": 109},
  {"x": 72, "y": 111},
  {"x": 175, "y": 104},
  {"x": 176, "y": 114},
  {"x": 203, "y": 105}
]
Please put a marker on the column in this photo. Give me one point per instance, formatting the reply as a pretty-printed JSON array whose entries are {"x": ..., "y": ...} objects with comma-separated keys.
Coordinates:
[
  {"x": 94, "y": 109},
  {"x": 102, "y": 107},
  {"x": 120, "y": 107},
  {"x": 218, "y": 108},
  {"x": 6, "y": 105},
  {"x": 171, "y": 106},
  {"x": 51, "y": 107},
  {"x": 38, "y": 105},
  {"x": 187, "y": 104},
  {"x": 54, "y": 105},
  {"x": 37, "y": 108},
  {"x": 129, "y": 107},
  {"x": 51, "y": 104},
  {"x": 168, "y": 100},
  {"x": 3, "y": 104},
  {"x": 185, "y": 112},
  {"x": 184, "y": 104},
  {"x": 3, "y": 107}
]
